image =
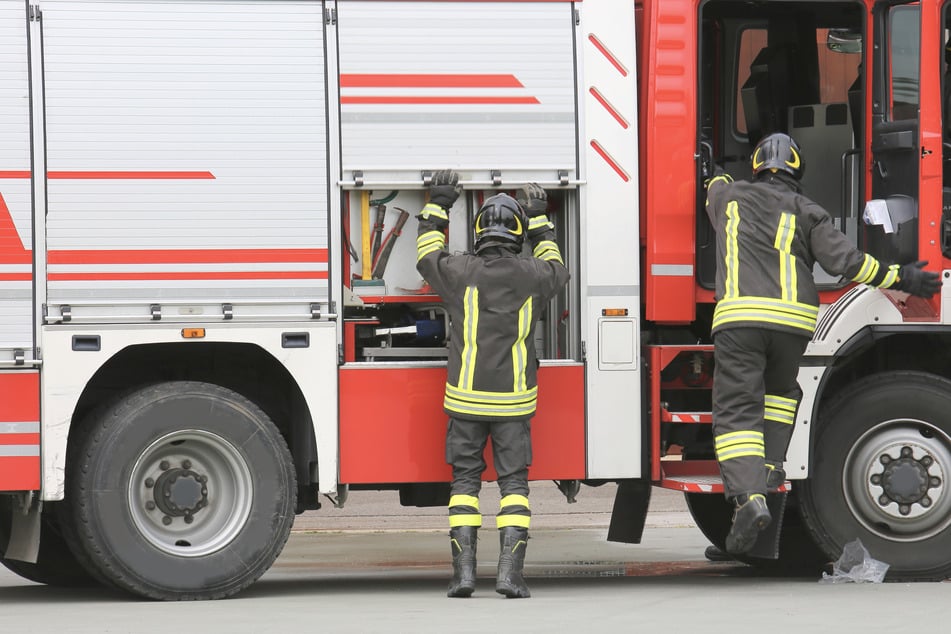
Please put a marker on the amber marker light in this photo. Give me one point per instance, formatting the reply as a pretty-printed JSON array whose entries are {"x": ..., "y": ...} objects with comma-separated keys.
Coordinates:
[
  {"x": 193, "y": 333},
  {"x": 614, "y": 312}
]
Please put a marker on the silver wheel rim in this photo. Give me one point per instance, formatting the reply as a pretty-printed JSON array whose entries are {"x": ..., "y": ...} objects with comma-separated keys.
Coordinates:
[
  {"x": 895, "y": 480},
  {"x": 190, "y": 493}
]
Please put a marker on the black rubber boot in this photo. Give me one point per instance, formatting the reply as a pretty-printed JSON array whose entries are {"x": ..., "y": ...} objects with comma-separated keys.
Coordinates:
[
  {"x": 750, "y": 517},
  {"x": 509, "y": 580},
  {"x": 463, "y": 541}
]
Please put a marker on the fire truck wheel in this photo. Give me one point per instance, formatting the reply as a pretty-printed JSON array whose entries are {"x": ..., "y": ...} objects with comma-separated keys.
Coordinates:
[
  {"x": 55, "y": 564},
  {"x": 880, "y": 473},
  {"x": 798, "y": 553},
  {"x": 180, "y": 490}
]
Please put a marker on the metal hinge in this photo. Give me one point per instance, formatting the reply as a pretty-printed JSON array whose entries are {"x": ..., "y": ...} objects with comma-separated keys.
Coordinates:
[
  {"x": 35, "y": 14},
  {"x": 577, "y": 17},
  {"x": 330, "y": 16}
]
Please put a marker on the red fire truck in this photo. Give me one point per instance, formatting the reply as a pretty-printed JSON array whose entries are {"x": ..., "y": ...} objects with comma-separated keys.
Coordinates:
[{"x": 209, "y": 321}]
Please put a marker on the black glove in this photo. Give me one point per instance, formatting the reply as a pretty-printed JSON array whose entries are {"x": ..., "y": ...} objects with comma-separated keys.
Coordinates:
[
  {"x": 444, "y": 189},
  {"x": 916, "y": 281},
  {"x": 533, "y": 199}
]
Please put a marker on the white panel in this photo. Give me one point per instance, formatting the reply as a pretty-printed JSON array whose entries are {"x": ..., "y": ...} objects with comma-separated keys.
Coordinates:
[
  {"x": 617, "y": 344},
  {"x": 609, "y": 228},
  {"x": 16, "y": 269},
  {"x": 219, "y": 109},
  {"x": 467, "y": 85}
]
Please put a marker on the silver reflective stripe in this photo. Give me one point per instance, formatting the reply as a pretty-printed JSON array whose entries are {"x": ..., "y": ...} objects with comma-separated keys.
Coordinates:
[
  {"x": 19, "y": 428},
  {"x": 613, "y": 291},
  {"x": 19, "y": 450},
  {"x": 672, "y": 270}
]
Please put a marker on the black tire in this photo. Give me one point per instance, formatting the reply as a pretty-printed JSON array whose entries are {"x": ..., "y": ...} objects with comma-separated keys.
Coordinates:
[
  {"x": 180, "y": 491},
  {"x": 798, "y": 553},
  {"x": 55, "y": 564},
  {"x": 880, "y": 473}
]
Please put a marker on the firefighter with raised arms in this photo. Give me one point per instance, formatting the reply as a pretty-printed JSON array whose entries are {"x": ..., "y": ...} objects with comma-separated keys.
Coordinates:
[
  {"x": 494, "y": 297},
  {"x": 769, "y": 235}
]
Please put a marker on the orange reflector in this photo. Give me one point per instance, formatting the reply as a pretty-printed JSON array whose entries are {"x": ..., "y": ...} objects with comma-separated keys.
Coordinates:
[
  {"x": 193, "y": 333},
  {"x": 614, "y": 312}
]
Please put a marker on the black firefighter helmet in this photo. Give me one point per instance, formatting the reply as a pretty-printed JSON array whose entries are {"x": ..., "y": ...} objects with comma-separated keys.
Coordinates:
[
  {"x": 778, "y": 151},
  {"x": 500, "y": 222}
]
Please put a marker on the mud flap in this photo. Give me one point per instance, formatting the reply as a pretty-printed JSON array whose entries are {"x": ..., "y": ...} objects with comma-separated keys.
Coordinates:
[
  {"x": 630, "y": 511},
  {"x": 767, "y": 544}
]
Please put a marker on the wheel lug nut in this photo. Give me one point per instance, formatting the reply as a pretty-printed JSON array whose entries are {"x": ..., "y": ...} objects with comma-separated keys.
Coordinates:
[
  {"x": 166, "y": 520},
  {"x": 906, "y": 452},
  {"x": 904, "y": 509},
  {"x": 164, "y": 465},
  {"x": 150, "y": 505},
  {"x": 925, "y": 501},
  {"x": 885, "y": 458},
  {"x": 149, "y": 483},
  {"x": 927, "y": 461},
  {"x": 934, "y": 481},
  {"x": 876, "y": 479},
  {"x": 884, "y": 500},
  {"x": 189, "y": 518},
  {"x": 186, "y": 464}
]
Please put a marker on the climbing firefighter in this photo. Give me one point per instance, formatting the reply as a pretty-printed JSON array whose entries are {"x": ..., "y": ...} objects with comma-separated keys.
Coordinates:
[
  {"x": 769, "y": 235},
  {"x": 494, "y": 297}
]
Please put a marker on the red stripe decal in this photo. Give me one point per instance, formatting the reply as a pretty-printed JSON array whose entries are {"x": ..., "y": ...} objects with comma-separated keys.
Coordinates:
[
  {"x": 611, "y": 58},
  {"x": 607, "y": 106},
  {"x": 396, "y": 80},
  {"x": 11, "y": 249},
  {"x": 16, "y": 277},
  {"x": 19, "y": 473},
  {"x": 610, "y": 161},
  {"x": 75, "y": 175},
  {"x": 203, "y": 275},
  {"x": 189, "y": 256},
  {"x": 19, "y": 439},
  {"x": 436, "y": 100},
  {"x": 21, "y": 397}
]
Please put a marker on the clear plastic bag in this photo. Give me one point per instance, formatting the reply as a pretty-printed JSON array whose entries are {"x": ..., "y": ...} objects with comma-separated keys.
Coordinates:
[{"x": 855, "y": 565}]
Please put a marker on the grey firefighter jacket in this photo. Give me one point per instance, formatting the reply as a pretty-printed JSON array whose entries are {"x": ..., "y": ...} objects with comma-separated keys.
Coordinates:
[
  {"x": 494, "y": 300},
  {"x": 768, "y": 238}
]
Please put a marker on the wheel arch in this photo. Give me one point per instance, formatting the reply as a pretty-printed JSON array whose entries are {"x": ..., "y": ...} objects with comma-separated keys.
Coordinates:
[{"x": 245, "y": 368}]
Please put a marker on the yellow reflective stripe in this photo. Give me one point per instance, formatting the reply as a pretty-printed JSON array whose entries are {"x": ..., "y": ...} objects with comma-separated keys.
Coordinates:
[
  {"x": 511, "y": 410},
  {"x": 464, "y": 500},
  {"x": 746, "y": 437},
  {"x": 521, "y": 521},
  {"x": 465, "y": 520},
  {"x": 432, "y": 209},
  {"x": 491, "y": 397},
  {"x": 785, "y": 233},
  {"x": 868, "y": 270},
  {"x": 519, "y": 349},
  {"x": 890, "y": 277},
  {"x": 547, "y": 250},
  {"x": 513, "y": 500},
  {"x": 731, "y": 259},
  {"x": 780, "y": 409},
  {"x": 765, "y": 309},
  {"x": 470, "y": 327},
  {"x": 428, "y": 242},
  {"x": 539, "y": 221}
]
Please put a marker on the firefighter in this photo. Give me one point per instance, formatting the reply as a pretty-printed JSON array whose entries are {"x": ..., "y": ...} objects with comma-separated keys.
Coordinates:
[
  {"x": 494, "y": 297},
  {"x": 769, "y": 235}
]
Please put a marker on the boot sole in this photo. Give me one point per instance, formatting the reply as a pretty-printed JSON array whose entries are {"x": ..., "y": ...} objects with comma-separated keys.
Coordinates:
[
  {"x": 513, "y": 593},
  {"x": 460, "y": 593}
]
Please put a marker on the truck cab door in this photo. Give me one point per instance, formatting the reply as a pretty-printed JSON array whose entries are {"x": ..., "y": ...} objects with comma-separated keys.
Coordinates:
[{"x": 895, "y": 141}]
